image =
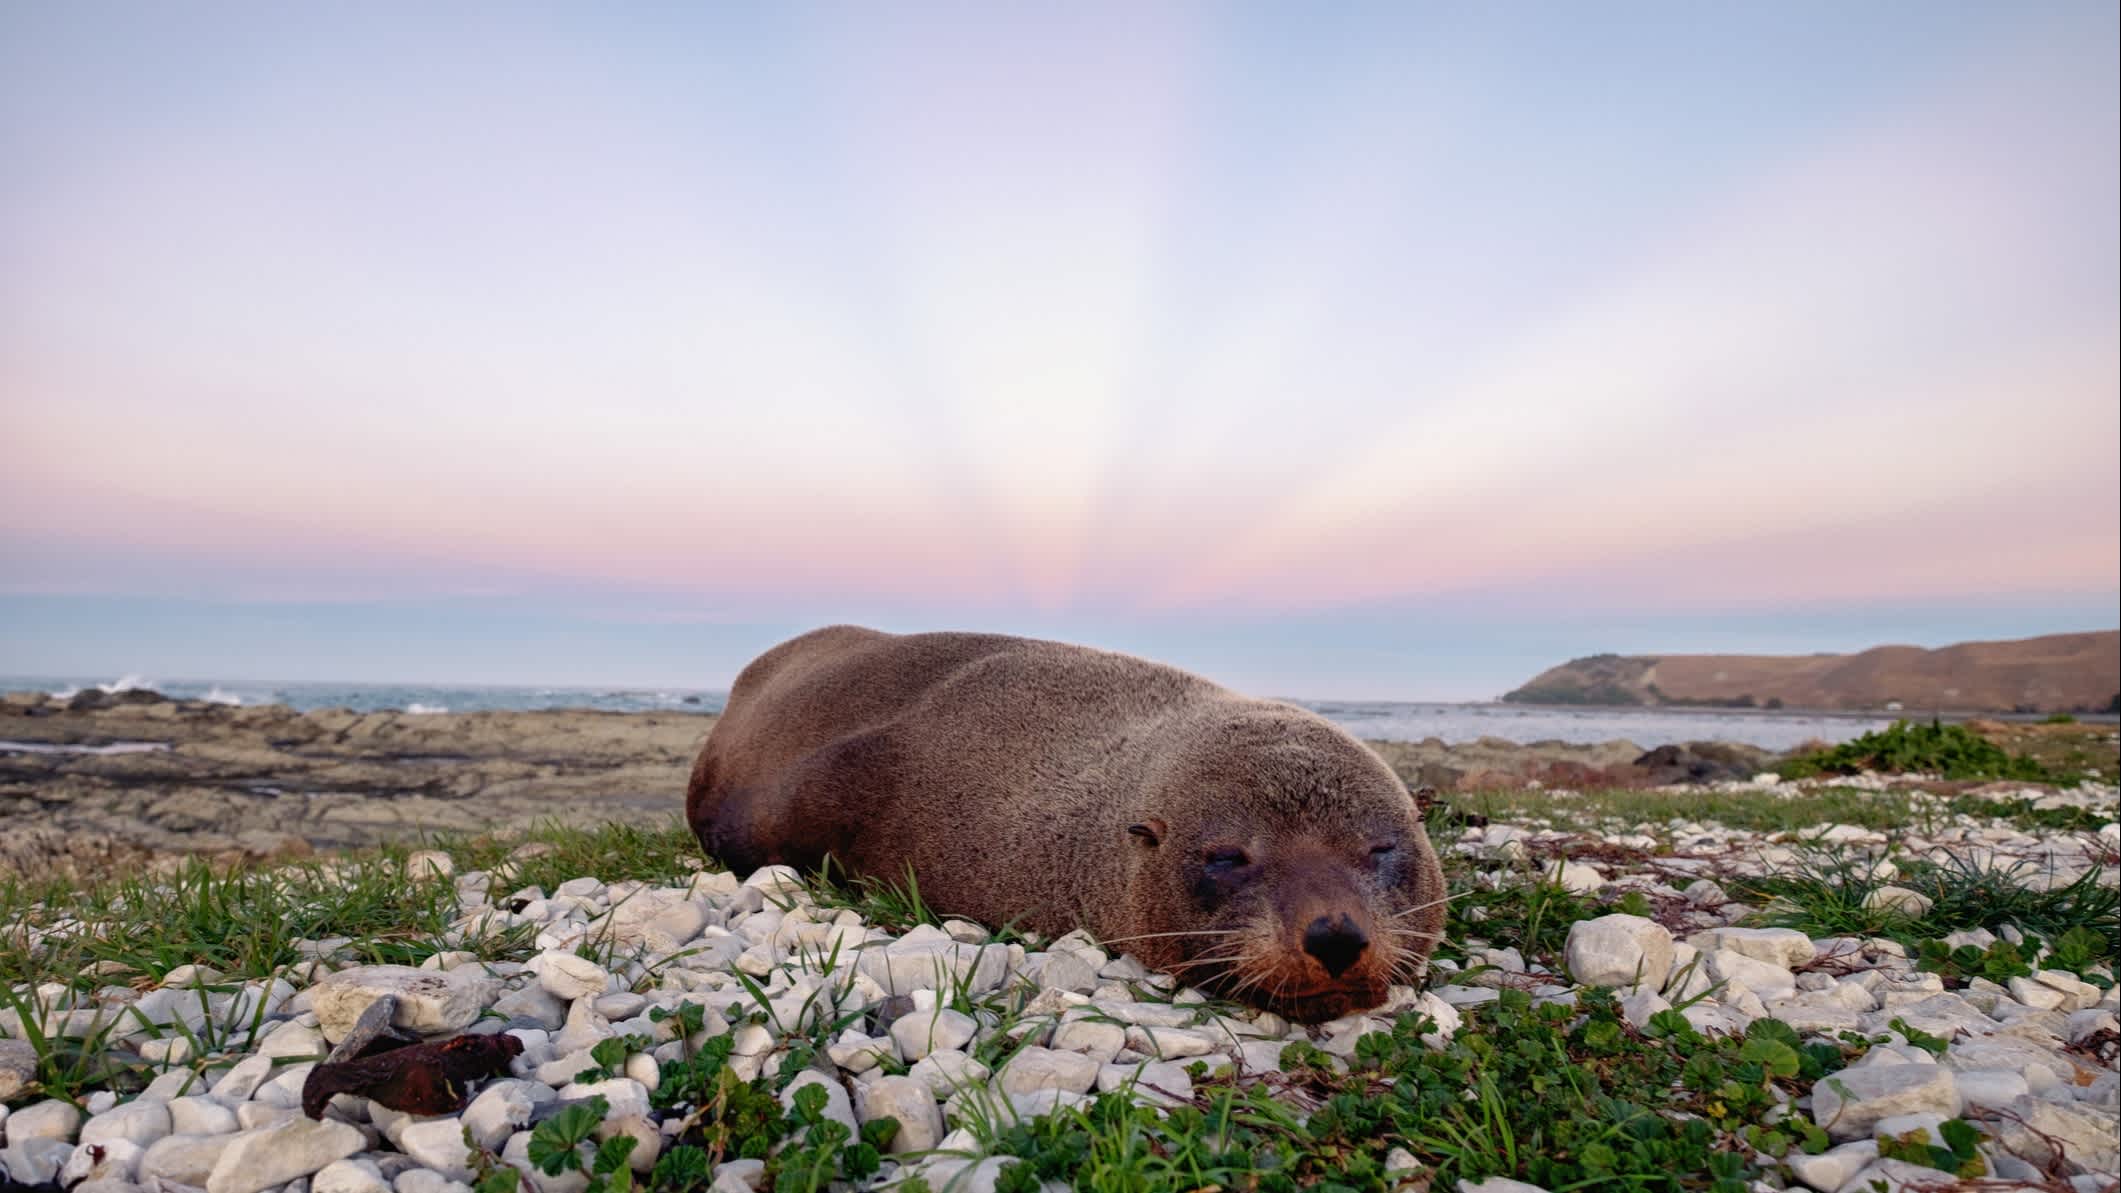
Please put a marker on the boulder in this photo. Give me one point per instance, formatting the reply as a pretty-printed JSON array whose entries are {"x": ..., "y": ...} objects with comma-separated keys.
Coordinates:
[{"x": 1701, "y": 762}]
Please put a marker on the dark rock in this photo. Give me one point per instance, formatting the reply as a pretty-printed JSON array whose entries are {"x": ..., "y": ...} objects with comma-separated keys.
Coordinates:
[
  {"x": 1701, "y": 762},
  {"x": 1452, "y": 816},
  {"x": 1438, "y": 775},
  {"x": 90, "y": 699},
  {"x": 891, "y": 1010}
]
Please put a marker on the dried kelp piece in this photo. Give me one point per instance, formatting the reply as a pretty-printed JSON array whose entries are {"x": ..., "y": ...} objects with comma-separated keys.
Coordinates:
[{"x": 417, "y": 1079}]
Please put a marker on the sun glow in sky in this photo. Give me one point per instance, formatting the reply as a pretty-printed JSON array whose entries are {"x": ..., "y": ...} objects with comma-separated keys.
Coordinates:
[{"x": 1401, "y": 353}]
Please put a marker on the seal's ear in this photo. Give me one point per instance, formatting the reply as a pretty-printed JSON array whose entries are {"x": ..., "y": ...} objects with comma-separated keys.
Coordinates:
[{"x": 1152, "y": 830}]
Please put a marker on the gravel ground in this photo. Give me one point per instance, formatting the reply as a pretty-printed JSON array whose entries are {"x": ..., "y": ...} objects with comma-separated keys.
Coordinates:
[{"x": 949, "y": 1029}]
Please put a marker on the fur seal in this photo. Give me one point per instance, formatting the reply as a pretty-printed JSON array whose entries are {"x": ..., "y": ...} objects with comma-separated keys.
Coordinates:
[{"x": 1245, "y": 846}]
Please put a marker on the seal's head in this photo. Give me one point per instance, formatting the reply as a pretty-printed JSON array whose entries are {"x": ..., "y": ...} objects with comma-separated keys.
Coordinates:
[{"x": 1283, "y": 864}]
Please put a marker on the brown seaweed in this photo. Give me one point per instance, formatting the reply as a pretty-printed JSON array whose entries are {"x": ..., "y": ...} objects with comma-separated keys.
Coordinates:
[{"x": 416, "y": 1078}]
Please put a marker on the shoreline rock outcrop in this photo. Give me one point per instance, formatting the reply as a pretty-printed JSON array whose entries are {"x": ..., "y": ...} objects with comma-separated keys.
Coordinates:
[{"x": 85, "y": 789}]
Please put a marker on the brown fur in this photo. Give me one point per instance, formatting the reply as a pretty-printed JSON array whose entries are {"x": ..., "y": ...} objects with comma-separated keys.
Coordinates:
[{"x": 1007, "y": 774}]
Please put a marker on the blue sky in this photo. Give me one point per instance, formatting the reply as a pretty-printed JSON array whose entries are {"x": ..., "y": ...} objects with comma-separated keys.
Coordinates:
[{"x": 1393, "y": 355}]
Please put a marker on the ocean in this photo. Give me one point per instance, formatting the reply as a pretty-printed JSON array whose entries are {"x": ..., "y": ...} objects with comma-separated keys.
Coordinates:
[{"x": 1374, "y": 719}]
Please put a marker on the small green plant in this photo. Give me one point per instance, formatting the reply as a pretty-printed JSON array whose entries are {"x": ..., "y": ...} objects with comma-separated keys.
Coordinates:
[
  {"x": 1999, "y": 962},
  {"x": 1918, "y": 1038},
  {"x": 1959, "y": 1155},
  {"x": 2083, "y": 951},
  {"x": 727, "y": 1117},
  {"x": 610, "y": 1056},
  {"x": 682, "y": 1169},
  {"x": 556, "y": 1148},
  {"x": 826, "y": 1150},
  {"x": 2058, "y": 718}
]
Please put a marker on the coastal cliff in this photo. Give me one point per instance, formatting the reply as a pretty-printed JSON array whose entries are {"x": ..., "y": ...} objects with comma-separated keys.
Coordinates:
[{"x": 2054, "y": 673}]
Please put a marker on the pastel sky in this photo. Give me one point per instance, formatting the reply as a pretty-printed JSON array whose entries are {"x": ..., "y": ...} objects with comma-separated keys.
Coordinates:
[{"x": 1398, "y": 352}]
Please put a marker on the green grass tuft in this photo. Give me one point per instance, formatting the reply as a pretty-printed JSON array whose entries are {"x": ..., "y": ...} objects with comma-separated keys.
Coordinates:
[
  {"x": 661, "y": 851},
  {"x": 1827, "y": 898}
]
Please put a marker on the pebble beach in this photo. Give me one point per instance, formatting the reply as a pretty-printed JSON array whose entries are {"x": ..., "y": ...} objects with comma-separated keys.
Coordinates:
[{"x": 616, "y": 989}]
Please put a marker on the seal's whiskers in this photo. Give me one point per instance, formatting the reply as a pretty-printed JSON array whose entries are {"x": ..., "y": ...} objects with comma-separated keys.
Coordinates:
[
  {"x": 1160, "y": 935},
  {"x": 1431, "y": 903}
]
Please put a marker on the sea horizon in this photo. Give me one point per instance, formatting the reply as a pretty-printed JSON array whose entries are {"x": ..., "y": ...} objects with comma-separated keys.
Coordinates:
[{"x": 1452, "y": 721}]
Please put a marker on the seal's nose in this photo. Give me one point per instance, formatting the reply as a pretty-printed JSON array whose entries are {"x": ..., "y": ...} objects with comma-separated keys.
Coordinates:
[{"x": 1336, "y": 943}]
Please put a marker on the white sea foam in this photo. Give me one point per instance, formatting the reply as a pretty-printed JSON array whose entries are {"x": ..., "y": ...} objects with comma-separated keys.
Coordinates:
[
  {"x": 418, "y": 709},
  {"x": 116, "y": 747},
  {"x": 215, "y": 695},
  {"x": 124, "y": 683}
]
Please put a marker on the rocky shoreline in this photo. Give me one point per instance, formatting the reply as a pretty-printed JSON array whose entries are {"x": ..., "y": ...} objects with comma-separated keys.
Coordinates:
[
  {"x": 140, "y": 776},
  {"x": 106, "y": 780}
]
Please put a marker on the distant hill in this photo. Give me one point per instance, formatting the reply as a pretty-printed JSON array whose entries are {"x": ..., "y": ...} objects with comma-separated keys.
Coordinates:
[{"x": 2055, "y": 673}]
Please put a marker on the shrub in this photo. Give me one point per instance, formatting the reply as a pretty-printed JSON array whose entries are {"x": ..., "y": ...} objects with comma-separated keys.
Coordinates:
[{"x": 1953, "y": 751}]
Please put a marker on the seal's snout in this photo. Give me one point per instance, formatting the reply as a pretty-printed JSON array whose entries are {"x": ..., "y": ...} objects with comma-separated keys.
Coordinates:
[{"x": 1337, "y": 943}]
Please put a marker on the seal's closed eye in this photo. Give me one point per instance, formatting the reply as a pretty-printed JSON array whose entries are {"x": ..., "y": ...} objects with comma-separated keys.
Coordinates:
[{"x": 1152, "y": 831}]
